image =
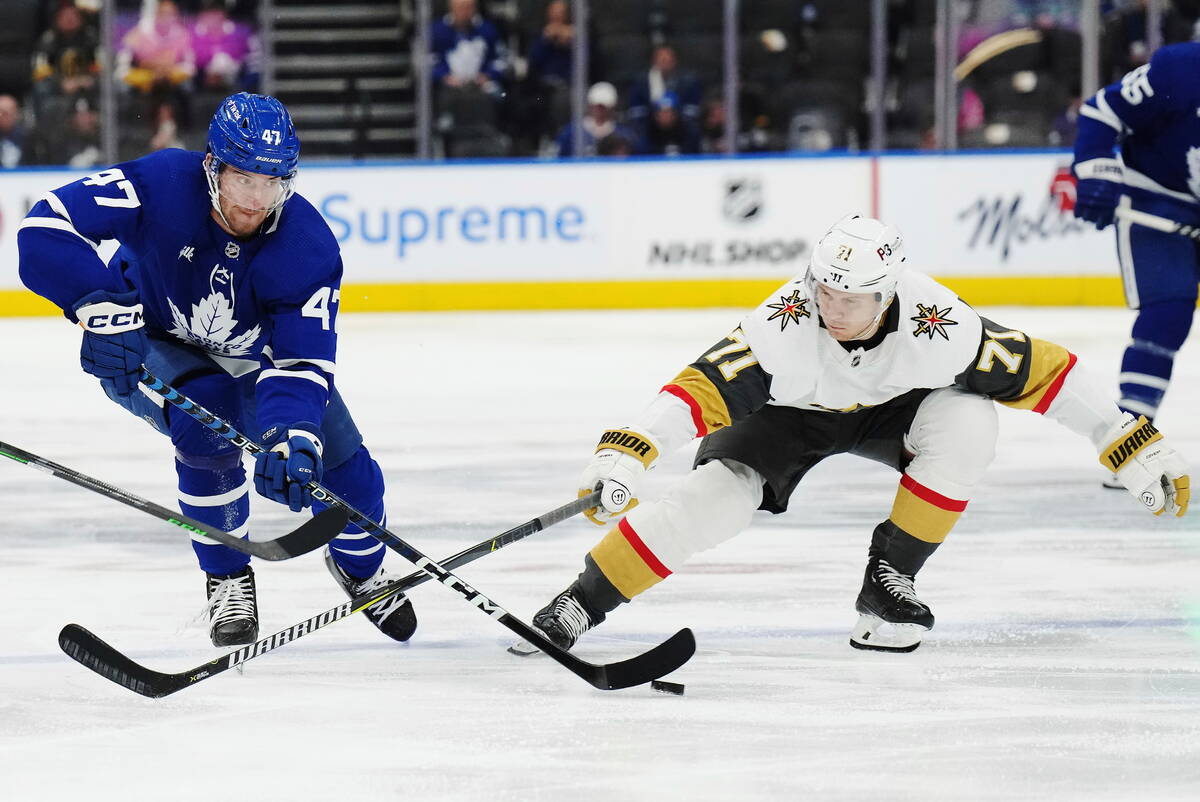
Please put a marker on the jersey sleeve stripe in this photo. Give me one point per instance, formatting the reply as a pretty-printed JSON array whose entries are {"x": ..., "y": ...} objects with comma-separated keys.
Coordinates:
[
  {"x": 55, "y": 223},
  {"x": 310, "y": 375},
  {"x": 58, "y": 206},
  {"x": 697, "y": 415},
  {"x": 1100, "y": 115},
  {"x": 698, "y": 391},
  {"x": 1052, "y": 391}
]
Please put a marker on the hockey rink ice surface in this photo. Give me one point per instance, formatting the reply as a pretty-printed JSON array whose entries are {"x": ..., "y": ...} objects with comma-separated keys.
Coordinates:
[{"x": 1065, "y": 664}]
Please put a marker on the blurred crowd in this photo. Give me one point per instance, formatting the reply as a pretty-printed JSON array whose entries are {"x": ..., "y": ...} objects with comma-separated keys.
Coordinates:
[
  {"x": 168, "y": 56},
  {"x": 502, "y": 72}
]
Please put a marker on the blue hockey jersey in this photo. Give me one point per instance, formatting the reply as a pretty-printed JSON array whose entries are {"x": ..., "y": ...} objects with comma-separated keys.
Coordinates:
[
  {"x": 1152, "y": 116},
  {"x": 263, "y": 308}
]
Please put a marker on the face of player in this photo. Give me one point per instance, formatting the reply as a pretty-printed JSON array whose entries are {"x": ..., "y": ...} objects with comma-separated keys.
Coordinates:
[
  {"x": 246, "y": 199},
  {"x": 848, "y": 315}
]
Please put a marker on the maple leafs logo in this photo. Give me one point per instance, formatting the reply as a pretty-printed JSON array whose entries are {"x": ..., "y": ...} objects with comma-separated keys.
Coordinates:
[
  {"x": 931, "y": 320},
  {"x": 789, "y": 309},
  {"x": 211, "y": 325}
]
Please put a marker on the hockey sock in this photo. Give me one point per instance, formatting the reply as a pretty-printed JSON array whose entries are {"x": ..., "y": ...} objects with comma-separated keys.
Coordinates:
[
  {"x": 1158, "y": 333},
  {"x": 220, "y": 498},
  {"x": 360, "y": 482},
  {"x": 595, "y": 591}
]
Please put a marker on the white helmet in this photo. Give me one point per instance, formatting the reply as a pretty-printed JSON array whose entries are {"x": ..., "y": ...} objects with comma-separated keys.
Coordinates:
[{"x": 860, "y": 255}]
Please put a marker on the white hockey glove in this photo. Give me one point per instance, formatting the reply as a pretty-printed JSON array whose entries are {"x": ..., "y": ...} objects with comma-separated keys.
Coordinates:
[
  {"x": 1150, "y": 469},
  {"x": 622, "y": 456}
]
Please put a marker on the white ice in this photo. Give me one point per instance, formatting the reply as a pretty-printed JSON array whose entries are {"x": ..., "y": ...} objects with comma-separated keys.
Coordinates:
[{"x": 1065, "y": 663}]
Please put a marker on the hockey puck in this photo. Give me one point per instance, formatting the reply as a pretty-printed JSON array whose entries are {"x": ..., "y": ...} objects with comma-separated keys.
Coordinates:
[{"x": 673, "y": 688}]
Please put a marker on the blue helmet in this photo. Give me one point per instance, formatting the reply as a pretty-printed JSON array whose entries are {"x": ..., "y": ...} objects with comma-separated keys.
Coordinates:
[{"x": 254, "y": 133}]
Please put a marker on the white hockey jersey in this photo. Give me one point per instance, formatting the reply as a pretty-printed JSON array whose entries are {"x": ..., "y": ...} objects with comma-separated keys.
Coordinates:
[{"x": 781, "y": 354}]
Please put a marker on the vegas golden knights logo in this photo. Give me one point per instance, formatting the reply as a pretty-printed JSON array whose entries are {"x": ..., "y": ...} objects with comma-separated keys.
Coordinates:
[{"x": 844, "y": 252}]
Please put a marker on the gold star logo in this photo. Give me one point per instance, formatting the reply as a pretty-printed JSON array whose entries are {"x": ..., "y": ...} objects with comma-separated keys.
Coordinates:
[
  {"x": 789, "y": 309},
  {"x": 931, "y": 320}
]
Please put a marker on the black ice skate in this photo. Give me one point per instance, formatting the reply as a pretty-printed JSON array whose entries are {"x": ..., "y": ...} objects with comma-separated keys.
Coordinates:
[
  {"x": 394, "y": 616},
  {"x": 892, "y": 618},
  {"x": 232, "y": 608},
  {"x": 562, "y": 621}
]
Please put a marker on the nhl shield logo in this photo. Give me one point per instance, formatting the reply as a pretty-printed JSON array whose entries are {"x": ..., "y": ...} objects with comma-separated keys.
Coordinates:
[
  {"x": 232, "y": 250},
  {"x": 743, "y": 199}
]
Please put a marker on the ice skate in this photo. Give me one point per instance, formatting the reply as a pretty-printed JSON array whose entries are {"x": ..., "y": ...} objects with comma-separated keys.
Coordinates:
[
  {"x": 562, "y": 621},
  {"x": 1112, "y": 482},
  {"x": 232, "y": 608},
  {"x": 394, "y": 616},
  {"x": 891, "y": 617}
]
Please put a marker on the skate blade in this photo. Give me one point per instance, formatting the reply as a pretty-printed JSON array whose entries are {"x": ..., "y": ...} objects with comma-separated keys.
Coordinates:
[
  {"x": 523, "y": 648},
  {"x": 872, "y": 633},
  {"x": 1112, "y": 483}
]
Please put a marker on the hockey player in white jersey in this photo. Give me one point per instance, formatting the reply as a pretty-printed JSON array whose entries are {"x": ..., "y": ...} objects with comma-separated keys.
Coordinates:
[{"x": 859, "y": 355}]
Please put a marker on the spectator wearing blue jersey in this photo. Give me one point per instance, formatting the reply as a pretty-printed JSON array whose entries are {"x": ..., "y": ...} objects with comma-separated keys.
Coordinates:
[
  {"x": 668, "y": 132},
  {"x": 12, "y": 132},
  {"x": 664, "y": 76},
  {"x": 226, "y": 286},
  {"x": 467, "y": 50},
  {"x": 1138, "y": 147}
]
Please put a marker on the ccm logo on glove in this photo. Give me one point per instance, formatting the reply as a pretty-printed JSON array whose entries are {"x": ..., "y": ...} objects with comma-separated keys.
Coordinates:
[{"x": 110, "y": 318}]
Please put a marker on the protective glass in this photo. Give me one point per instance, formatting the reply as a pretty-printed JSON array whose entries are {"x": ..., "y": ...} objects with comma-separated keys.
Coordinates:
[{"x": 252, "y": 191}]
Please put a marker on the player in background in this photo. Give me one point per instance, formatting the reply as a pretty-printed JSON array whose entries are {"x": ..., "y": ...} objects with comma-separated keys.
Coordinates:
[
  {"x": 1138, "y": 147},
  {"x": 226, "y": 287},
  {"x": 859, "y": 356}
]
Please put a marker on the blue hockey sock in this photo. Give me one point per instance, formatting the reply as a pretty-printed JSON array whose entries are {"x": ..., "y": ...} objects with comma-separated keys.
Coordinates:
[
  {"x": 360, "y": 482},
  {"x": 219, "y": 498},
  {"x": 1158, "y": 332}
]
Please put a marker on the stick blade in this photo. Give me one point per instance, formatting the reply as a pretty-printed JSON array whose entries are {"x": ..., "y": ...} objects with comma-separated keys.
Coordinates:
[
  {"x": 91, "y": 652},
  {"x": 309, "y": 536},
  {"x": 658, "y": 662}
]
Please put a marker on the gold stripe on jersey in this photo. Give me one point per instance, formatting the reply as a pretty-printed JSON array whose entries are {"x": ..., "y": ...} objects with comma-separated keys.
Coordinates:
[
  {"x": 923, "y": 513},
  {"x": 709, "y": 406},
  {"x": 626, "y": 561},
  {"x": 1048, "y": 364}
]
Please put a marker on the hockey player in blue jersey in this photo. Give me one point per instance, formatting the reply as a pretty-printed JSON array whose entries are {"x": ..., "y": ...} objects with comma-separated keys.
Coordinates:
[
  {"x": 226, "y": 286},
  {"x": 1138, "y": 147}
]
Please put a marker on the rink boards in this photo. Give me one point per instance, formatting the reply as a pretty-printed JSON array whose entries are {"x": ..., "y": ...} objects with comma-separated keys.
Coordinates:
[{"x": 666, "y": 233}]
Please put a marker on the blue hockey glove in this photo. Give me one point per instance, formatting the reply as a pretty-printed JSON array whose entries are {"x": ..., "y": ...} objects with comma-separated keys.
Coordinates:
[
  {"x": 114, "y": 342},
  {"x": 291, "y": 461},
  {"x": 1099, "y": 188}
]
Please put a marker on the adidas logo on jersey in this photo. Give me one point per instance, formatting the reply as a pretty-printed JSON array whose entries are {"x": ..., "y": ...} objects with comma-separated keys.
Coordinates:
[{"x": 187, "y": 252}]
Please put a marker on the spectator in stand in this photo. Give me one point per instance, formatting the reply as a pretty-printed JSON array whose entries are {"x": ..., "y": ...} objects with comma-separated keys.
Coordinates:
[
  {"x": 64, "y": 62},
  {"x": 550, "y": 54},
  {"x": 157, "y": 60},
  {"x": 668, "y": 132},
  {"x": 599, "y": 123},
  {"x": 467, "y": 51},
  {"x": 712, "y": 126},
  {"x": 665, "y": 76},
  {"x": 12, "y": 132},
  {"x": 77, "y": 142},
  {"x": 222, "y": 48}
]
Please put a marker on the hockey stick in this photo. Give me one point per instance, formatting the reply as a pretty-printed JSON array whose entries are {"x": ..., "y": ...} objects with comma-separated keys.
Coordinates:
[
  {"x": 1159, "y": 223},
  {"x": 662, "y": 659},
  {"x": 312, "y": 534},
  {"x": 110, "y": 663}
]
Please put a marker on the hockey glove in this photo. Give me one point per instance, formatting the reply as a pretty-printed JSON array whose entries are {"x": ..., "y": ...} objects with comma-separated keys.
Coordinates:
[
  {"x": 1099, "y": 188},
  {"x": 291, "y": 461},
  {"x": 622, "y": 456},
  {"x": 1150, "y": 469},
  {"x": 114, "y": 342}
]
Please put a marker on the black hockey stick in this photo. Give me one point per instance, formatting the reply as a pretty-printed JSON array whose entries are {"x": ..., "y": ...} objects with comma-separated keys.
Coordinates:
[
  {"x": 1163, "y": 224},
  {"x": 662, "y": 659},
  {"x": 111, "y": 664},
  {"x": 312, "y": 534}
]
